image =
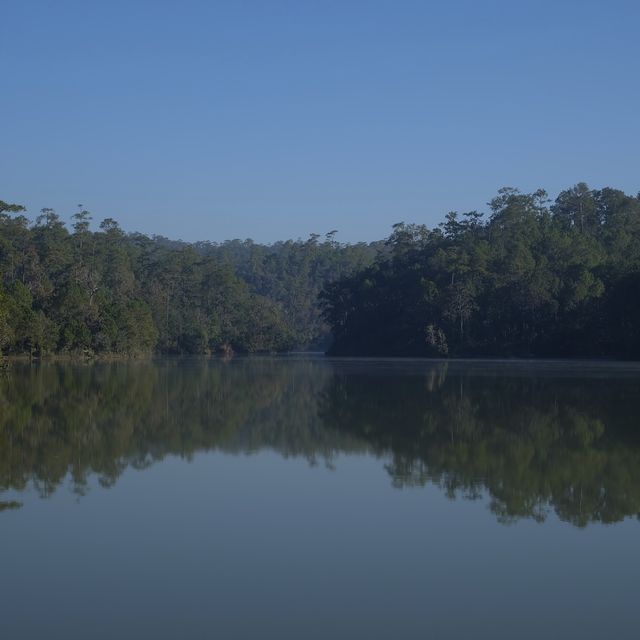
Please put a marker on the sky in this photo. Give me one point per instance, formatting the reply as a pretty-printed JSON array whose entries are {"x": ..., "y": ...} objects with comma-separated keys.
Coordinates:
[{"x": 266, "y": 119}]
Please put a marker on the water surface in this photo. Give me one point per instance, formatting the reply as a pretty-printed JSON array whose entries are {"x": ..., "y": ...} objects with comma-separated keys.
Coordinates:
[{"x": 315, "y": 498}]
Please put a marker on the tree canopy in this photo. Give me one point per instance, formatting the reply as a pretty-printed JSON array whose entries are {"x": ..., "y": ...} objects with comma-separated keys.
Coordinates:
[
  {"x": 90, "y": 292},
  {"x": 534, "y": 279}
]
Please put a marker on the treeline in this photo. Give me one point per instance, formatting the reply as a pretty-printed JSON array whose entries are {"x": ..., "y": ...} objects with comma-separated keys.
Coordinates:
[
  {"x": 293, "y": 273},
  {"x": 80, "y": 291},
  {"x": 534, "y": 279}
]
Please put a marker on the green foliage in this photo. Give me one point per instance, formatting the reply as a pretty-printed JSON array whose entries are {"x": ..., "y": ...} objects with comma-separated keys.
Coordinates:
[
  {"x": 532, "y": 280},
  {"x": 5, "y": 334},
  {"x": 108, "y": 292},
  {"x": 291, "y": 274}
]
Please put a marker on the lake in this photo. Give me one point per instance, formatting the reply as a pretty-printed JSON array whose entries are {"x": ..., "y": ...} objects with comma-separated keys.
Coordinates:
[{"x": 305, "y": 497}]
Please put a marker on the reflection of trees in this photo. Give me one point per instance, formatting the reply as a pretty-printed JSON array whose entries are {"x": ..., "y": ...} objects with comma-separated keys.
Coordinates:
[
  {"x": 534, "y": 443},
  {"x": 10, "y": 504},
  {"x": 81, "y": 420}
]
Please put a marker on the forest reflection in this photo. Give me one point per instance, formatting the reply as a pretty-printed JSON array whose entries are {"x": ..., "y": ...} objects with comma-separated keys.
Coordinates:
[{"x": 534, "y": 442}]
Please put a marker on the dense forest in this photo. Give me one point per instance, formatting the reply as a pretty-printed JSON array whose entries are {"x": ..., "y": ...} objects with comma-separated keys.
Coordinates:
[
  {"x": 87, "y": 292},
  {"x": 534, "y": 279}
]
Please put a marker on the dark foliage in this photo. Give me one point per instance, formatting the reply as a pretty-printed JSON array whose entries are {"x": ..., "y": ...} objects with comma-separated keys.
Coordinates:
[
  {"x": 533, "y": 280},
  {"x": 106, "y": 292},
  {"x": 536, "y": 279}
]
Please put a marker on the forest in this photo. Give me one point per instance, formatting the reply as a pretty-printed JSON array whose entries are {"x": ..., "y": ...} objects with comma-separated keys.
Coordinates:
[
  {"x": 534, "y": 278},
  {"x": 84, "y": 292}
]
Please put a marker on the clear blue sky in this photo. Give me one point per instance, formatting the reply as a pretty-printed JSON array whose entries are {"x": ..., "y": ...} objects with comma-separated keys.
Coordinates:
[{"x": 270, "y": 119}]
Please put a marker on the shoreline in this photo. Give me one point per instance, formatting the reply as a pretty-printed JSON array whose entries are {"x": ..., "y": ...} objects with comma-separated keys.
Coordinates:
[{"x": 315, "y": 355}]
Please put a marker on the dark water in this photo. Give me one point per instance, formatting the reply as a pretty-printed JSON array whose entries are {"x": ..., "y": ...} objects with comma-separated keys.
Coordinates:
[{"x": 308, "y": 498}]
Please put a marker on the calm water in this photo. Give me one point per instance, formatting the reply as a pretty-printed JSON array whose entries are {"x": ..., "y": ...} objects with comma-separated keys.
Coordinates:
[{"x": 309, "y": 498}]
